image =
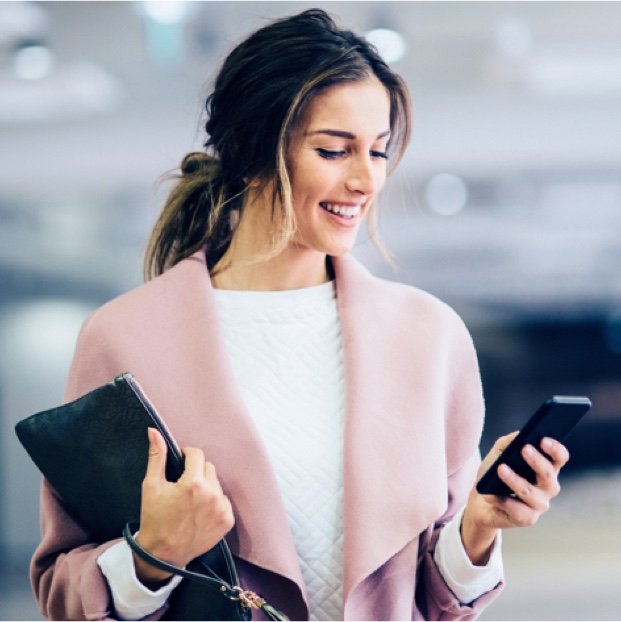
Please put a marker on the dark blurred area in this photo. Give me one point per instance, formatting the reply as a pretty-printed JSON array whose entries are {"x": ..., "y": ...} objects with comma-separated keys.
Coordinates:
[
  {"x": 524, "y": 364},
  {"x": 507, "y": 206}
]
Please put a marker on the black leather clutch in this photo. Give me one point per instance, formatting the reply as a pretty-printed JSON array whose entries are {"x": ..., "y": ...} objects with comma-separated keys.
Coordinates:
[{"x": 94, "y": 452}]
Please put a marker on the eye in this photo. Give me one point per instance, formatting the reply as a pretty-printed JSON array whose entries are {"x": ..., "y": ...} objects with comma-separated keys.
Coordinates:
[
  {"x": 379, "y": 154},
  {"x": 330, "y": 155}
]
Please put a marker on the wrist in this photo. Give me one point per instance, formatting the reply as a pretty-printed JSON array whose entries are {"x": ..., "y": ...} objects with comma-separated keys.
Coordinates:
[
  {"x": 150, "y": 576},
  {"x": 478, "y": 540}
]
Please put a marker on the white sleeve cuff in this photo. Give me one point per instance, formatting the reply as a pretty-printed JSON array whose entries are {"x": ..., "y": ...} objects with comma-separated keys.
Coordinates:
[
  {"x": 467, "y": 581},
  {"x": 132, "y": 600}
]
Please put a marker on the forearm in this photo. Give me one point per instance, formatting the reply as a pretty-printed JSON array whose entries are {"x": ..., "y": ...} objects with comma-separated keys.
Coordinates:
[{"x": 478, "y": 540}]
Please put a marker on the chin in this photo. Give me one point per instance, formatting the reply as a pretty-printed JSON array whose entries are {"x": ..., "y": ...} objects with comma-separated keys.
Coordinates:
[
  {"x": 340, "y": 245},
  {"x": 341, "y": 250},
  {"x": 333, "y": 246}
]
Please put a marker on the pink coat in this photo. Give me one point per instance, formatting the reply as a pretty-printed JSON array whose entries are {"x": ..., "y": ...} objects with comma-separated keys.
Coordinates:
[{"x": 414, "y": 413}]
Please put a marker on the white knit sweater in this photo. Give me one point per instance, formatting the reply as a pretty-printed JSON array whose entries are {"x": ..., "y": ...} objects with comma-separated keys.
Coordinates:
[
  {"x": 285, "y": 349},
  {"x": 286, "y": 353}
]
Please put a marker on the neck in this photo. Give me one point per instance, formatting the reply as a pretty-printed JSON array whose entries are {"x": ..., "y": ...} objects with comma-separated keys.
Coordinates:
[
  {"x": 295, "y": 267},
  {"x": 279, "y": 273}
]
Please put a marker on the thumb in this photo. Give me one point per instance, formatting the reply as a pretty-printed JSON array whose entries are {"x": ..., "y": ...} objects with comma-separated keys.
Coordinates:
[
  {"x": 503, "y": 442},
  {"x": 156, "y": 464},
  {"x": 499, "y": 446}
]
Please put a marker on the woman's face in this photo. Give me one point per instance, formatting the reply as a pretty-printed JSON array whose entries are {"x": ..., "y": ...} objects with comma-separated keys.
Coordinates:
[{"x": 337, "y": 163}]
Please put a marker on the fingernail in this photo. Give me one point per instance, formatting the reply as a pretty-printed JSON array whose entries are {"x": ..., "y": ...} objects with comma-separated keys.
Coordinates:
[
  {"x": 547, "y": 443},
  {"x": 528, "y": 449},
  {"x": 150, "y": 434}
]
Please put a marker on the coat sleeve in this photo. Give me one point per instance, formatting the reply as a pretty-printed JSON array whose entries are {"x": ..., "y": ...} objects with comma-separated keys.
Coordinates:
[
  {"x": 66, "y": 579},
  {"x": 440, "y": 602},
  {"x": 464, "y": 416}
]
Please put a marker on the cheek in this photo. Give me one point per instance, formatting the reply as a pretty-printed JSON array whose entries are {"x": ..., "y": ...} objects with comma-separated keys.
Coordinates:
[
  {"x": 303, "y": 197},
  {"x": 307, "y": 193},
  {"x": 382, "y": 175},
  {"x": 303, "y": 204}
]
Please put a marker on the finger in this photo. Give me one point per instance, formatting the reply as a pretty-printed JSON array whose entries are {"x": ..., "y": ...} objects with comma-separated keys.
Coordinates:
[
  {"x": 547, "y": 475},
  {"x": 503, "y": 442},
  {"x": 528, "y": 493},
  {"x": 507, "y": 438},
  {"x": 228, "y": 513},
  {"x": 557, "y": 452},
  {"x": 194, "y": 462},
  {"x": 499, "y": 446},
  {"x": 210, "y": 470},
  {"x": 515, "y": 511},
  {"x": 212, "y": 477},
  {"x": 156, "y": 462}
]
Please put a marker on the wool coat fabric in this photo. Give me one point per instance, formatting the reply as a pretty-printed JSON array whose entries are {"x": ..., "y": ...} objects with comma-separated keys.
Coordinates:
[{"x": 413, "y": 419}]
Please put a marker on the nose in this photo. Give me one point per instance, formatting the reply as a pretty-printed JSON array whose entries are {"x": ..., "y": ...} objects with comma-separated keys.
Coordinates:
[{"x": 363, "y": 177}]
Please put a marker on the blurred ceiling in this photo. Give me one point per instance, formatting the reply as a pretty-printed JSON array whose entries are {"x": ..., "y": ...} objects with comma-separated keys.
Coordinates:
[{"x": 507, "y": 202}]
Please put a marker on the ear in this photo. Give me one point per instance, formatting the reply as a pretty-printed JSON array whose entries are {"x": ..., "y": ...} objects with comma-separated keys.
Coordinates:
[{"x": 253, "y": 183}]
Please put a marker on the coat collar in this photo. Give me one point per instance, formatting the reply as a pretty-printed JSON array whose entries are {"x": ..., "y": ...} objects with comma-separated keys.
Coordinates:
[{"x": 394, "y": 467}]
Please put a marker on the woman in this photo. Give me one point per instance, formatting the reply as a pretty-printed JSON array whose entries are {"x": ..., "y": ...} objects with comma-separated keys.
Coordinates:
[{"x": 343, "y": 413}]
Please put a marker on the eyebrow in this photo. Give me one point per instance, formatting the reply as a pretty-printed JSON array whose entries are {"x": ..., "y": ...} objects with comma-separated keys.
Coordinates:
[{"x": 342, "y": 134}]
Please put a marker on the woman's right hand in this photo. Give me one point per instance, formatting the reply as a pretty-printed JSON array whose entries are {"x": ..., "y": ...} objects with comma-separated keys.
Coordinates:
[{"x": 179, "y": 521}]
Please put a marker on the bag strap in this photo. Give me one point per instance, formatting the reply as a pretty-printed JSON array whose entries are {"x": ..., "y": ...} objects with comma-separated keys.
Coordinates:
[{"x": 247, "y": 598}]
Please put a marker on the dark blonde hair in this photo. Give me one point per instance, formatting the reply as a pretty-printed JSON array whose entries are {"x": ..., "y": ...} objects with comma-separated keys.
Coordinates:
[{"x": 259, "y": 96}]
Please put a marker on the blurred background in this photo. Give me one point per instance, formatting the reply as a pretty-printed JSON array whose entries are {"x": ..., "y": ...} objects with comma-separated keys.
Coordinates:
[{"x": 507, "y": 206}]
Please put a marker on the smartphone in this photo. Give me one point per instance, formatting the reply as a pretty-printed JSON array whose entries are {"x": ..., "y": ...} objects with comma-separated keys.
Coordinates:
[{"x": 555, "y": 418}]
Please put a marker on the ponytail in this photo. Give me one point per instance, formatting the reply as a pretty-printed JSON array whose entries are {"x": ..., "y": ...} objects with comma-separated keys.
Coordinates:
[{"x": 199, "y": 212}]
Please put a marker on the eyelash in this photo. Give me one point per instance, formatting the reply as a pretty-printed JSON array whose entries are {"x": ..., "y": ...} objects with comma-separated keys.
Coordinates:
[{"x": 334, "y": 155}]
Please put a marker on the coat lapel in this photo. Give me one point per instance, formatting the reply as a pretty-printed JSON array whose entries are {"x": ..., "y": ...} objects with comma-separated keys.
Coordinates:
[
  {"x": 394, "y": 466},
  {"x": 215, "y": 419}
]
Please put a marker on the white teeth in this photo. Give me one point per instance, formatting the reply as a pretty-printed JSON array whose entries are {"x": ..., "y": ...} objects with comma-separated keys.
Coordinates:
[{"x": 348, "y": 212}]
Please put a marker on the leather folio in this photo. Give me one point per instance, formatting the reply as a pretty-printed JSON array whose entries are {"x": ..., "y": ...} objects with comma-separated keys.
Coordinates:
[{"x": 94, "y": 452}]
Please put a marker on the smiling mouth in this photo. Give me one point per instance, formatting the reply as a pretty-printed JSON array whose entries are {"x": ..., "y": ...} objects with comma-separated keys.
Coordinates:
[{"x": 341, "y": 210}]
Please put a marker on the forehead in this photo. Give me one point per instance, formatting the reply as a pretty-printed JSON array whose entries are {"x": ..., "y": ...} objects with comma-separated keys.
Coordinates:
[{"x": 357, "y": 107}]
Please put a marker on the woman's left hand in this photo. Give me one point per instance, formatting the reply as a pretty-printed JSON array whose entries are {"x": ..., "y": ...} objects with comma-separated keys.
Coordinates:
[{"x": 486, "y": 514}]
